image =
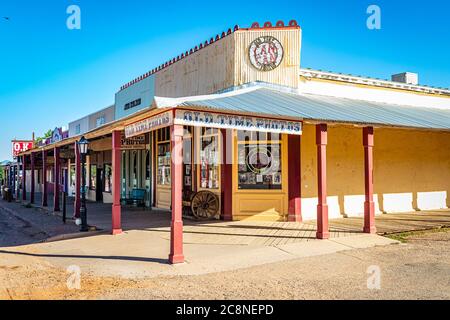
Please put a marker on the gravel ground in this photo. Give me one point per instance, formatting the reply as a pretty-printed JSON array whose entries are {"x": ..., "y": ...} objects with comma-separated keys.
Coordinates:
[{"x": 419, "y": 269}]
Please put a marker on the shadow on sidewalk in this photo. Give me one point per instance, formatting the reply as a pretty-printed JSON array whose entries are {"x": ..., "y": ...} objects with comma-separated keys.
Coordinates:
[{"x": 125, "y": 258}]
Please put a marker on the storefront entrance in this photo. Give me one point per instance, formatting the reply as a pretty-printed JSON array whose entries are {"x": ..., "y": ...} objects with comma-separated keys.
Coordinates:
[{"x": 201, "y": 165}]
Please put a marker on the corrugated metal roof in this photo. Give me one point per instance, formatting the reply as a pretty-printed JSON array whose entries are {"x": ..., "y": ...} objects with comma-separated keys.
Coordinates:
[{"x": 266, "y": 101}]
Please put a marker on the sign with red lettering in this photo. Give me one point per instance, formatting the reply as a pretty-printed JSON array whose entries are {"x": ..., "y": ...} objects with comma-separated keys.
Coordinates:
[
  {"x": 266, "y": 53},
  {"x": 21, "y": 146}
]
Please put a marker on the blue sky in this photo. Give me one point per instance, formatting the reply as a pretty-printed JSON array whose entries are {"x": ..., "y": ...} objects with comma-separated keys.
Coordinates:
[{"x": 50, "y": 75}]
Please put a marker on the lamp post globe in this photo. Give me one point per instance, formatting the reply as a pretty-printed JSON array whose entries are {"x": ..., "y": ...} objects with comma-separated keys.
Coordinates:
[{"x": 83, "y": 147}]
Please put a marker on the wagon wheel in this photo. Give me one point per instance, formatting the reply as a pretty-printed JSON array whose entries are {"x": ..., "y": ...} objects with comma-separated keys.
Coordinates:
[{"x": 205, "y": 205}]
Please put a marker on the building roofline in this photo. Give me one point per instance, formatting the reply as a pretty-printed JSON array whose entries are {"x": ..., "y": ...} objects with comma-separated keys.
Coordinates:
[
  {"x": 348, "y": 78},
  {"x": 255, "y": 26}
]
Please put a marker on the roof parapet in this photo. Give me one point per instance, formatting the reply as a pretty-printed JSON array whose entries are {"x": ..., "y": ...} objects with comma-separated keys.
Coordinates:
[{"x": 255, "y": 25}]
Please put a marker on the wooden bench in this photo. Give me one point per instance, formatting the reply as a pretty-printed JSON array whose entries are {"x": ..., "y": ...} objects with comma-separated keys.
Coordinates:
[{"x": 136, "y": 198}]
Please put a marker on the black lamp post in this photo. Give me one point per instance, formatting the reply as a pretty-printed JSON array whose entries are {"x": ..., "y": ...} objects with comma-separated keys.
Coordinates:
[{"x": 83, "y": 149}]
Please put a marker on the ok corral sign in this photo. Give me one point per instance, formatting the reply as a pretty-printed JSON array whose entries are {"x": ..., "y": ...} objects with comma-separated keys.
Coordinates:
[{"x": 21, "y": 146}]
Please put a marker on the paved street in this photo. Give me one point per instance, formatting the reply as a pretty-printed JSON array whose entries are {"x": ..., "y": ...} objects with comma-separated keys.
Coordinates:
[
  {"x": 419, "y": 269},
  {"x": 230, "y": 260}
]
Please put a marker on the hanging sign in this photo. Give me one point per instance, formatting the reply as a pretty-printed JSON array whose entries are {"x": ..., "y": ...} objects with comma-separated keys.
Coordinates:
[
  {"x": 134, "y": 143},
  {"x": 239, "y": 122},
  {"x": 153, "y": 123},
  {"x": 21, "y": 146}
]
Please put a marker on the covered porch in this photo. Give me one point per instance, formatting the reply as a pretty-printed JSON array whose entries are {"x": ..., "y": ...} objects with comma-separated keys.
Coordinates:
[{"x": 274, "y": 113}]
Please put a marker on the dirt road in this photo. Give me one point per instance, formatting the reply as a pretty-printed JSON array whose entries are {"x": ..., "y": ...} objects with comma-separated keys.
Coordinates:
[{"x": 418, "y": 269}]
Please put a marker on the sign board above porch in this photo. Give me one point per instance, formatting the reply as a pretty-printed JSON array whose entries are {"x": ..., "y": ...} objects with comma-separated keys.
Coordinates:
[
  {"x": 153, "y": 123},
  {"x": 238, "y": 122},
  {"x": 213, "y": 120}
]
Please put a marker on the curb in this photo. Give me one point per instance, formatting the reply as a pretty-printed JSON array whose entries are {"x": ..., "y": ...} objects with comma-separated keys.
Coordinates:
[
  {"x": 71, "y": 236},
  {"x": 66, "y": 236},
  {"x": 17, "y": 216}
]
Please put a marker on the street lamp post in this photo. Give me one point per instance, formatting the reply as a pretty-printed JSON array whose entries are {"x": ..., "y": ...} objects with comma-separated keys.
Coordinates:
[{"x": 83, "y": 149}]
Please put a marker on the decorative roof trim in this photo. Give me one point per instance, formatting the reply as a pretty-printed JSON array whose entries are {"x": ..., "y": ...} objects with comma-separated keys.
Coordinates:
[
  {"x": 319, "y": 74},
  {"x": 255, "y": 25}
]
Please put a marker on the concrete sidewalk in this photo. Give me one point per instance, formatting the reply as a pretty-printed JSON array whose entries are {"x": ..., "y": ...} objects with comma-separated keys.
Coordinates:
[
  {"x": 142, "y": 254},
  {"x": 212, "y": 246}
]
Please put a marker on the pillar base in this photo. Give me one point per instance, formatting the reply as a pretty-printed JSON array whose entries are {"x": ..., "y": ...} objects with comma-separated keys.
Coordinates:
[
  {"x": 116, "y": 232},
  {"x": 322, "y": 222},
  {"x": 176, "y": 259},
  {"x": 227, "y": 218},
  {"x": 369, "y": 217},
  {"x": 176, "y": 243},
  {"x": 323, "y": 235},
  {"x": 370, "y": 230},
  {"x": 295, "y": 218}
]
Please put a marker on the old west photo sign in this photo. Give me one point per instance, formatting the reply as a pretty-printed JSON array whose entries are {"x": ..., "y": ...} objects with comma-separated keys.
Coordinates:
[
  {"x": 153, "y": 123},
  {"x": 213, "y": 120},
  {"x": 239, "y": 122}
]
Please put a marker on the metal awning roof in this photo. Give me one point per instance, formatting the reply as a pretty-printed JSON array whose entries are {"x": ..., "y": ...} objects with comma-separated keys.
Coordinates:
[{"x": 282, "y": 103}]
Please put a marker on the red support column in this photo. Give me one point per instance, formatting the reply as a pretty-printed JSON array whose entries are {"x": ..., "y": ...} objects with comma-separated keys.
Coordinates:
[
  {"x": 32, "y": 177},
  {"x": 117, "y": 169},
  {"x": 294, "y": 172},
  {"x": 369, "y": 206},
  {"x": 176, "y": 234},
  {"x": 227, "y": 175},
  {"x": 56, "y": 167},
  {"x": 322, "y": 207},
  {"x": 77, "y": 202},
  {"x": 24, "y": 178},
  {"x": 44, "y": 179}
]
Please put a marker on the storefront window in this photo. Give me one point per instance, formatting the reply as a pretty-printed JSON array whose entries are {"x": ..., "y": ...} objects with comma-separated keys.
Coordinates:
[
  {"x": 93, "y": 177},
  {"x": 163, "y": 157},
  {"x": 187, "y": 162},
  {"x": 135, "y": 168},
  {"x": 124, "y": 174},
  {"x": 108, "y": 178},
  {"x": 259, "y": 161},
  {"x": 72, "y": 178},
  {"x": 209, "y": 159}
]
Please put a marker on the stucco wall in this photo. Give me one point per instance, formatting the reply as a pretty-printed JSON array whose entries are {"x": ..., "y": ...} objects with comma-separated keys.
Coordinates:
[{"x": 411, "y": 170}]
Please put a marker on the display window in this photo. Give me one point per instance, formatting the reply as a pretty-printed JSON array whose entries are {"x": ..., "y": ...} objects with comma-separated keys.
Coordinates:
[
  {"x": 93, "y": 177},
  {"x": 72, "y": 178},
  {"x": 259, "y": 161},
  {"x": 163, "y": 157},
  {"x": 108, "y": 178},
  {"x": 187, "y": 159},
  {"x": 209, "y": 159}
]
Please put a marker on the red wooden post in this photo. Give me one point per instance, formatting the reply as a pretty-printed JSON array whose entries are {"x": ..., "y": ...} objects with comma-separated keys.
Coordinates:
[
  {"x": 44, "y": 179},
  {"x": 32, "y": 177},
  {"x": 24, "y": 178},
  {"x": 117, "y": 169},
  {"x": 294, "y": 184},
  {"x": 227, "y": 175},
  {"x": 56, "y": 168},
  {"x": 322, "y": 207},
  {"x": 176, "y": 234},
  {"x": 18, "y": 180},
  {"x": 77, "y": 202},
  {"x": 369, "y": 206}
]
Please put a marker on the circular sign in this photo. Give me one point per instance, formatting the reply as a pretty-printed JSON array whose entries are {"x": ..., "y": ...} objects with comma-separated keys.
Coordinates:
[
  {"x": 259, "y": 160},
  {"x": 266, "y": 53}
]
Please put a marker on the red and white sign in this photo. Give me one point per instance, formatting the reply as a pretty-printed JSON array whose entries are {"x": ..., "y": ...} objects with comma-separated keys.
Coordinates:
[
  {"x": 266, "y": 53},
  {"x": 21, "y": 146}
]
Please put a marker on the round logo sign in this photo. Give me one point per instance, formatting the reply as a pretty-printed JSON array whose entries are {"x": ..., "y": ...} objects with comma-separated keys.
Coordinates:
[{"x": 266, "y": 53}]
